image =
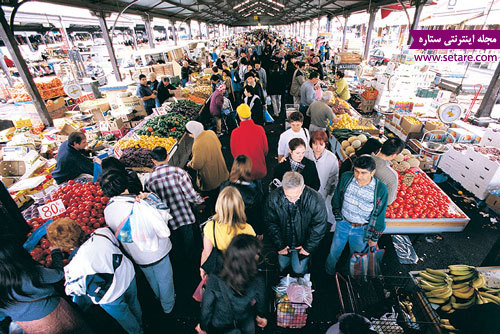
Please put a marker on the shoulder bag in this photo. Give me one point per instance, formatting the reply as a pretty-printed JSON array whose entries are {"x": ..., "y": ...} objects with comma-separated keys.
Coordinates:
[{"x": 214, "y": 262}]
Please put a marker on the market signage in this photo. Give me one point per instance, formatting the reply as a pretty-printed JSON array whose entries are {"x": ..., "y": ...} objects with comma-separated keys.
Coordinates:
[
  {"x": 455, "y": 39},
  {"x": 51, "y": 209}
]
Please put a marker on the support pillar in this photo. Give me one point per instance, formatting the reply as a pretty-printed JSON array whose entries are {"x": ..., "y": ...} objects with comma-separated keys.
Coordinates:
[
  {"x": 491, "y": 95},
  {"x": 344, "y": 33},
  {"x": 174, "y": 32},
  {"x": 419, "y": 6},
  {"x": 149, "y": 33},
  {"x": 109, "y": 46},
  {"x": 371, "y": 23},
  {"x": 134, "y": 37},
  {"x": 10, "y": 42},
  {"x": 189, "y": 29},
  {"x": 207, "y": 31}
]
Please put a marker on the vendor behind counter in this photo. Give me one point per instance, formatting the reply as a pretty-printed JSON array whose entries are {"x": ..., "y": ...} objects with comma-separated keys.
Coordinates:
[{"x": 71, "y": 162}]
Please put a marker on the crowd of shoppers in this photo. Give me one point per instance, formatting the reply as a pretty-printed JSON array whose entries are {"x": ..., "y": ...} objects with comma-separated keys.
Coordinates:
[{"x": 311, "y": 195}]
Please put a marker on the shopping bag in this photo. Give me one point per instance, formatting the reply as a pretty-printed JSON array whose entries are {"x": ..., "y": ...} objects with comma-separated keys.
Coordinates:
[
  {"x": 375, "y": 256},
  {"x": 267, "y": 116},
  {"x": 97, "y": 171},
  {"x": 198, "y": 293},
  {"x": 367, "y": 262},
  {"x": 145, "y": 222},
  {"x": 358, "y": 265}
]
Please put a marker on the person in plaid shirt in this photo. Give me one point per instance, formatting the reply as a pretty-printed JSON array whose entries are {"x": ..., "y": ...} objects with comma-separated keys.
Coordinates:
[{"x": 173, "y": 185}]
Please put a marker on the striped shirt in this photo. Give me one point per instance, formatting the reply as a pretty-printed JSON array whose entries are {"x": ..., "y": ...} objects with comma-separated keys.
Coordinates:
[{"x": 358, "y": 202}]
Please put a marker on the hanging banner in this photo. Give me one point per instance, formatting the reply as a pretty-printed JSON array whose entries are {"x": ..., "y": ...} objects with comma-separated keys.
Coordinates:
[{"x": 455, "y": 39}]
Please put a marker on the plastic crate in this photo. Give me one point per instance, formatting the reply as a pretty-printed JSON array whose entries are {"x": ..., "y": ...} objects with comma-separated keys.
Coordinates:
[{"x": 291, "y": 315}]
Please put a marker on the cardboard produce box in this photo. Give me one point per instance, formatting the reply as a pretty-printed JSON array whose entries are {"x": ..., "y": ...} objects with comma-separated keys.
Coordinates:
[
  {"x": 132, "y": 102},
  {"x": 101, "y": 104},
  {"x": 493, "y": 201},
  {"x": 408, "y": 127},
  {"x": 12, "y": 168},
  {"x": 433, "y": 126}
]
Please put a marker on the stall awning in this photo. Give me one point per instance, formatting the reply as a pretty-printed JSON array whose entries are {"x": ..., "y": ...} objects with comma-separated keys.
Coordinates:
[
  {"x": 447, "y": 19},
  {"x": 492, "y": 19}
]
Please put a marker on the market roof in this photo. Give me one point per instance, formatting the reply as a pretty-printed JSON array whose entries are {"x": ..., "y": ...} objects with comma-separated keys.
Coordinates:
[{"x": 231, "y": 12}]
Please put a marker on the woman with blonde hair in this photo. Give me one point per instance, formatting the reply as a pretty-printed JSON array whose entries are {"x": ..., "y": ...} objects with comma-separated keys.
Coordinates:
[
  {"x": 250, "y": 191},
  {"x": 229, "y": 221}
]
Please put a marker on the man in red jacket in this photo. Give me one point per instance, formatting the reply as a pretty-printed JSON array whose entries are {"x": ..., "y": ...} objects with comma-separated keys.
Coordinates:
[{"x": 250, "y": 139}]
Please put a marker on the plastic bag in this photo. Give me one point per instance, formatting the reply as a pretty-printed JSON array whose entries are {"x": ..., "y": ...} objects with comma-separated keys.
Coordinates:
[
  {"x": 300, "y": 294},
  {"x": 404, "y": 249},
  {"x": 147, "y": 225}
]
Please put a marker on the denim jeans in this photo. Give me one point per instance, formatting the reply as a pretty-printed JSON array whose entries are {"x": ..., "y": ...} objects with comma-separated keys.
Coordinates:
[
  {"x": 344, "y": 232},
  {"x": 276, "y": 101},
  {"x": 184, "y": 81},
  {"x": 298, "y": 266},
  {"x": 161, "y": 280},
  {"x": 127, "y": 310}
]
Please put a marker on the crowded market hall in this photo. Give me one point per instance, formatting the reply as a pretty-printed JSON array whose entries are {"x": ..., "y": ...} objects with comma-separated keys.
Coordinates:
[{"x": 250, "y": 166}]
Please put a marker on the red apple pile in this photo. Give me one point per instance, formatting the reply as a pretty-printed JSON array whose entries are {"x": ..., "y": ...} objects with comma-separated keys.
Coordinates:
[
  {"x": 84, "y": 203},
  {"x": 423, "y": 199}
]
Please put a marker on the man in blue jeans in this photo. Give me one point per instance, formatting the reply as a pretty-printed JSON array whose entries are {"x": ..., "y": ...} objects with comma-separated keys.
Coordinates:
[
  {"x": 296, "y": 219},
  {"x": 359, "y": 205}
]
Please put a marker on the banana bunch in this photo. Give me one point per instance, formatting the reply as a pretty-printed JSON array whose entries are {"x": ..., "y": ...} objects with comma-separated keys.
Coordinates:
[
  {"x": 437, "y": 286},
  {"x": 445, "y": 323}
]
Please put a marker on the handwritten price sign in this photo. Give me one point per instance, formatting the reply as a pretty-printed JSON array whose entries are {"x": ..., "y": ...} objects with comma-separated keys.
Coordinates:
[{"x": 51, "y": 209}]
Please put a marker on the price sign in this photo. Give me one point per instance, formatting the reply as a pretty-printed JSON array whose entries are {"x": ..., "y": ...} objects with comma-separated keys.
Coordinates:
[
  {"x": 118, "y": 152},
  {"x": 51, "y": 209}
]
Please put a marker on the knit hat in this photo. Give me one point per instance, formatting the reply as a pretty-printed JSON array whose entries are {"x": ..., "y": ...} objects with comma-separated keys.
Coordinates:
[
  {"x": 243, "y": 110},
  {"x": 194, "y": 127}
]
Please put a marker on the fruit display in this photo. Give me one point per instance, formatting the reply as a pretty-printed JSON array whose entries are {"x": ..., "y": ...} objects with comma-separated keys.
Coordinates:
[
  {"x": 412, "y": 120},
  {"x": 169, "y": 125},
  {"x": 405, "y": 161},
  {"x": 462, "y": 287},
  {"x": 48, "y": 88},
  {"x": 147, "y": 142},
  {"x": 340, "y": 106},
  {"x": 196, "y": 99},
  {"x": 421, "y": 199},
  {"x": 84, "y": 203},
  {"x": 187, "y": 108},
  {"x": 493, "y": 153},
  {"x": 348, "y": 122},
  {"x": 353, "y": 143},
  {"x": 137, "y": 157},
  {"x": 202, "y": 91}
]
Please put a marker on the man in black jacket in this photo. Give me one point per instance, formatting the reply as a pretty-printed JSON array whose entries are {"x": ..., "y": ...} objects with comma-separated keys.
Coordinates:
[{"x": 296, "y": 219}]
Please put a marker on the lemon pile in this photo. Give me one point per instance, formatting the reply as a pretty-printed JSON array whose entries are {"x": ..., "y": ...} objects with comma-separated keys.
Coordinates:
[
  {"x": 149, "y": 142},
  {"x": 348, "y": 122}
]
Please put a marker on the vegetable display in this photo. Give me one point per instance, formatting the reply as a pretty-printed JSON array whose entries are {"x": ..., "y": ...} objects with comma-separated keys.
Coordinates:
[
  {"x": 137, "y": 157},
  {"x": 187, "y": 108},
  {"x": 169, "y": 125},
  {"x": 421, "y": 199},
  {"x": 84, "y": 203}
]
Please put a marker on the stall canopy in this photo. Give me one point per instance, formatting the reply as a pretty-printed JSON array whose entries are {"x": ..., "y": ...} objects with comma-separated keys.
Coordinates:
[{"x": 231, "y": 12}]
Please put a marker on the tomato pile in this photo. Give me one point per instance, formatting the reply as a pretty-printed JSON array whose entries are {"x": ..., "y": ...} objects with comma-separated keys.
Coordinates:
[
  {"x": 84, "y": 203},
  {"x": 423, "y": 199}
]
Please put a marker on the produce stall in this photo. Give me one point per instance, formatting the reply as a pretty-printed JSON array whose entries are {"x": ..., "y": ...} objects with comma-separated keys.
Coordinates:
[{"x": 457, "y": 288}]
